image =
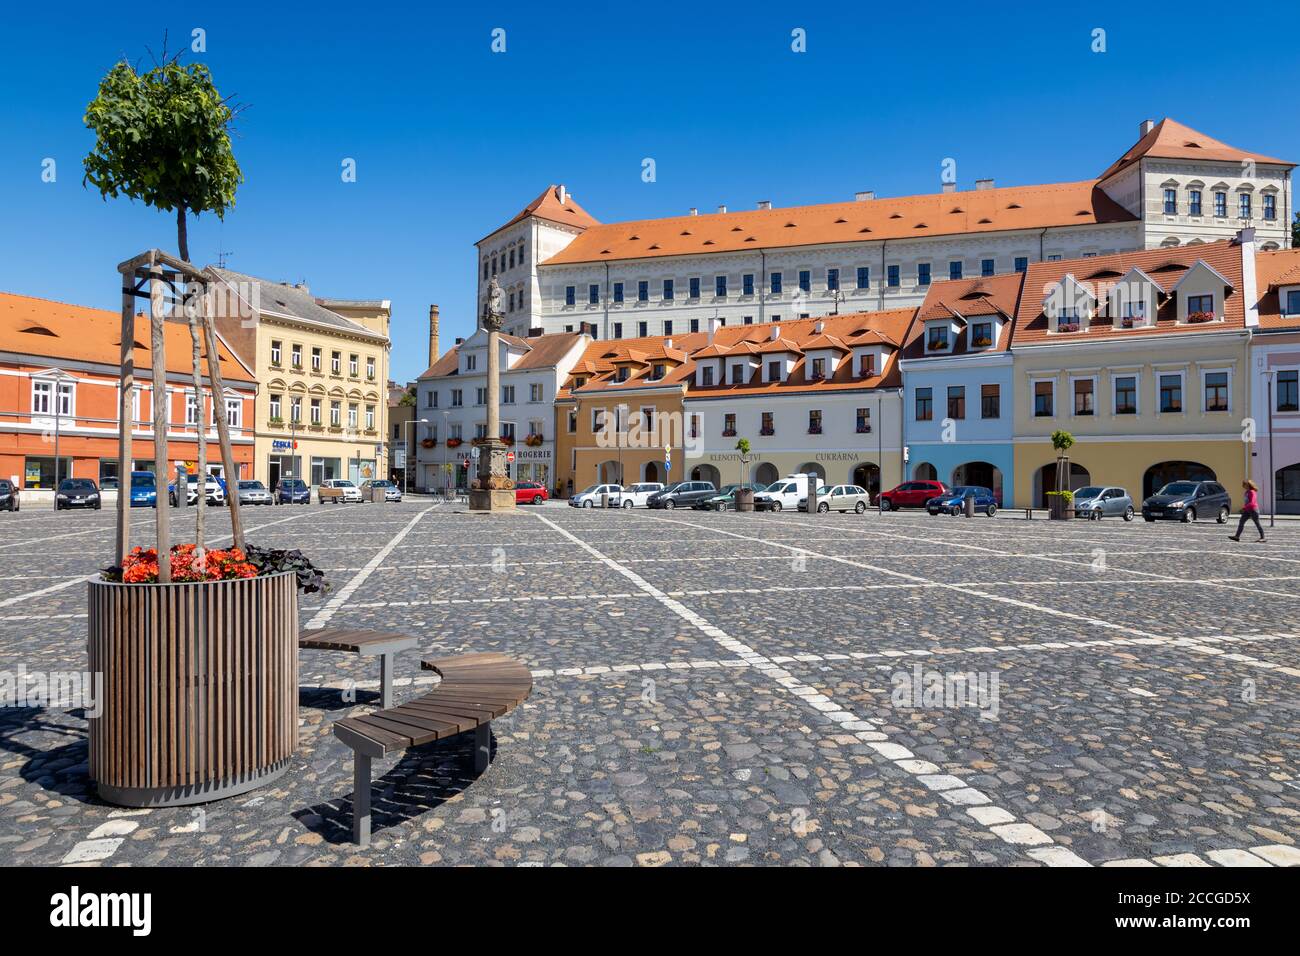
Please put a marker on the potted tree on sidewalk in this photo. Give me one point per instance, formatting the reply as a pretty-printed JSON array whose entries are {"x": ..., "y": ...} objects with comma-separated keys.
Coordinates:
[
  {"x": 744, "y": 494},
  {"x": 1060, "y": 501}
]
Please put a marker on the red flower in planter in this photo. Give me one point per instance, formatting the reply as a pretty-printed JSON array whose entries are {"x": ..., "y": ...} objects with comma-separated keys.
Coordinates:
[
  {"x": 453, "y": 442},
  {"x": 1200, "y": 316},
  {"x": 141, "y": 565}
]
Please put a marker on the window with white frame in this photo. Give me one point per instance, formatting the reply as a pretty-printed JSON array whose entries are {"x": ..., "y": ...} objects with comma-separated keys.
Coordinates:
[
  {"x": 1170, "y": 388},
  {"x": 1216, "y": 386},
  {"x": 507, "y": 394},
  {"x": 191, "y": 409},
  {"x": 370, "y": 367},
  {"x": 1085, "y": 394},
  {"x": 535, "y": 392},
  {"x": 336, "y": 413},
  {"x": 352, "y": 415},
  {"x": 370, "y": 417},
  {"x": 275, "y": 352},
  {"x": 295, "y": 409},
  {"x": 234, "y": 412},
  {"x": 1125, "y": 394},
  {"x": 315, "y": 411},
  {"x": 598, "y": 419},
  {"x": 353, "y": 367},
  {"x": 43, "y": 402},
  {"x": 1287, "y": 390},
  {"x": 1045, "y": 398},
  {"x": 275, "y": 406}
]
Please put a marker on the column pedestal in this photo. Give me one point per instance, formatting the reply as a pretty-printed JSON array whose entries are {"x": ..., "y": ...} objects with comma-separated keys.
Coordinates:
[{"x": 492, "y": 489}]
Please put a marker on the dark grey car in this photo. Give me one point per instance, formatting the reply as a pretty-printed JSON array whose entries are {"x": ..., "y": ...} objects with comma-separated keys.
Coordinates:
[
  {"x": 684, "y": 494},
  {"x": 1187, "y": 501},
  {"x": 1102, "y": 501}
]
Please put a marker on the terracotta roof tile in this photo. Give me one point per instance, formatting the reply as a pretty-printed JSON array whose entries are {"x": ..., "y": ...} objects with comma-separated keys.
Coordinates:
[
  {"x": 1170, "y": 139},
  {"x": 982, "y": 210},
  {"x": 1272, "y": 271},
  {"x": 548, "y": 206},
  {"x": 61, "y": 332}
]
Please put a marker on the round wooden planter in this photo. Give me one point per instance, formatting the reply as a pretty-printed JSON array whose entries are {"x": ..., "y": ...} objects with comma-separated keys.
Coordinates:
[
  {"x": 200, "y": 688},
  {"x": 744, "y": 499}
]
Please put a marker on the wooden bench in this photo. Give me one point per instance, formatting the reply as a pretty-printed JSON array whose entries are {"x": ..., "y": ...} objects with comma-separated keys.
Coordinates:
[
  {"x": 381, "y": 644},
  {"x": 475, "y": 688}
]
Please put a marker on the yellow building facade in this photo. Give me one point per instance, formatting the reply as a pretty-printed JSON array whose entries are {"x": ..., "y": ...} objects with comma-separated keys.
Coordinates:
[{"x": 322, "y": 408}]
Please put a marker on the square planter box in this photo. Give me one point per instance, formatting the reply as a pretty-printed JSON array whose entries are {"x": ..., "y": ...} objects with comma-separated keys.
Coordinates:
[{"x": 200, "y": 693}]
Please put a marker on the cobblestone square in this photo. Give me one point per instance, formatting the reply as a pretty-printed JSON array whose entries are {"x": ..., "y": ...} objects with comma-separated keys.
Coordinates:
[{"x": 730, "y": 689}]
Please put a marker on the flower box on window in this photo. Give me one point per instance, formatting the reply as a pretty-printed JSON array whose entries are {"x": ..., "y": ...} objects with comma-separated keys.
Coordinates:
[
  {"x": 814, "y": 429},
  {"x": 1067, "y": 327},
  {"x": 728, "y": 433},
  {"x": 981, "y": 342},
  {"x": 864, "y": 429},
  {"x": 1126, "y": 322},
  {"x": 508, "y": 439},
  {"x": 936, "y": 346},
  {"x": 816, "y": 377},
  {"x": 767, "y": 431},
  {"x": 1200, "y": 317},
  {"x": 533, "y": 441},
  {"x": 429, "y": 443},
  {"x": 453, "y": 442}
]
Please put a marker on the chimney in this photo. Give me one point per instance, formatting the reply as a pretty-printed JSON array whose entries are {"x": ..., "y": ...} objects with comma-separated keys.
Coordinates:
[
  {"x": 865, "y": 196},
  {"x": 819, "y": 326},
  {"x": 711, "y": 325},
  {"x": 776, "y": 332},
  {"x": 765, "y": 204},
  {"x": 983, "y": 184},
  {"x": 722, "y": 209},
  {"x": 695, "y": 211},
  {"x": 1145, "y": 127},
  {"x": 950, "y": 187},
  {"x": 668, "y": 343},
  {"x": 459, "y": 340},
  {"x": 1249, "y": 283},
  {"x": 561, "y": 194},
  {"x": 535, "y": 331},
  {"x": 433, "y": 335}
]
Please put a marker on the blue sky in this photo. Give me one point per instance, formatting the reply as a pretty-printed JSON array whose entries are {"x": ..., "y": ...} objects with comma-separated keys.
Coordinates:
[{"x": 451, "y": 139}]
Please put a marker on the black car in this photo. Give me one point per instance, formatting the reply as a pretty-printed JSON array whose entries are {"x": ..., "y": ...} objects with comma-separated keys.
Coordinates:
[
  {"x": 8, "y": 495},
  {"x": 76, "y": 493},
  {"x": 292, "y": 491},
  {"x": 1187, "y": 501},
  {"x": 683, "y": 494}
]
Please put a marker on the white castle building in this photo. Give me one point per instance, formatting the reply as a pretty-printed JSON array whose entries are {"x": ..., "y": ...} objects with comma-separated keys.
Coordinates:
[{"x": 563, "y": 271}]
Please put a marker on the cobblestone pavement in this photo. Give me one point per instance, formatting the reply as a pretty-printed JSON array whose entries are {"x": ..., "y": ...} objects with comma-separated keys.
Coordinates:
[{"x": 732, "y": 689}]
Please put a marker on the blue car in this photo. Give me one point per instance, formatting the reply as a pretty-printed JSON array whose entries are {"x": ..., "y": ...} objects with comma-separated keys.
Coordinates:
[
  {"x": 292, "y": 491},
  {"x": 954, "y": 502},
  {"x": 144, "y": 490}
]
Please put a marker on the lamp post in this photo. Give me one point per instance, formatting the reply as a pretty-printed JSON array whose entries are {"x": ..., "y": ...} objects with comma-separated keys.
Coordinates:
[
  {"x": 59, "y": 379},
  {"x": 1272, "y": 478},
  {"x": 406, "y": 470},
  {"x": 446, "y": 426}
]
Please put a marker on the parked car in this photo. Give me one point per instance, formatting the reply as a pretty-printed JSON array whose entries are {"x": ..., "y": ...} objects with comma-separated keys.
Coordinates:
[
  {"x": 682, "y": 494},
  {"x": 144, "y": 490},
  {"x": 108, "y": 483},
  {"x": 214, "y": 491},
  {"x": 76, "y": 493},
  {"x": 530, "y": 493},
  {"x": 392, "y": 492},
  {"x": 637, "y": 495},
  {"x": 292, "y": 491},
  {"x": 338, "y": 491},
  {"x": 8, "y": 495},
  {"x": 725, "y": 500},
  {"x": 911, "y": 494},
  {"x": 954, "y": 502},
  {"x": 1187, "y": 501},
  {"x": 1099, "y": 501},
  {"x": 253, "y": 493},
  {"x": 590, "y": 496},
  {"x": 784, "y": 493},
  {"x": 841, "y": 498}
]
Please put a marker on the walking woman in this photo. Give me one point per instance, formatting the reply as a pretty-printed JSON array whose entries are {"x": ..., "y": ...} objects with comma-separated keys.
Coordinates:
[{"x": 1249, "y": 510}]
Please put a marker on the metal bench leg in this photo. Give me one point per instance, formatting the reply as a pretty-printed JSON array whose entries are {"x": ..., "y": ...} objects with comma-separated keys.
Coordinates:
[
  {"x": 361, "y": 799},
  {"x": 482, "y": 746},
  {"x": 386, "y": 680}
]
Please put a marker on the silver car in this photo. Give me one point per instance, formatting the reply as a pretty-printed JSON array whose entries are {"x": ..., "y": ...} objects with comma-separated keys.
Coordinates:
[
  {"x": 254, "y": 493},
  {"x": 840, "y": 498},
  {"x": 1100, "y": 501}
]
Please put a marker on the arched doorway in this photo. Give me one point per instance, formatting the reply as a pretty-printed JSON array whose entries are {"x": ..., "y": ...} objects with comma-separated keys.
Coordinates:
[
  {"x": 1045, "y": 481},
  {"x": 867, "y": 475},
  {"x": 651, "y": 472},
  {"x": 707, "y": 473},
  {"x": 982, "y": 473},
  {"x": 811, "y": 467},
  {"x": 1286, "y": 490},
  {"x": 924, "y": 471},
  {"x": 609, "y": 473},
  {"x": 765, "y": 473},
  {"x": 1159, "y": 475}
]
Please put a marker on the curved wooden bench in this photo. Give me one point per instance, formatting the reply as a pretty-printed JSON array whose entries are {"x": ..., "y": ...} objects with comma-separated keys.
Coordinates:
[
  {"x": 381, "y": 644},
  {"x": 475, "y": 689}
]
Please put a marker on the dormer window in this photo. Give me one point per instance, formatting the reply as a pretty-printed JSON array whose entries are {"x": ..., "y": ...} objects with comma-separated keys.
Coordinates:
[
  {"x": 737, "y": 375},
  {"x": 937, "y": 339},
  {"x": 867, "y": 365},
  {"x": 580, "y": 381},
  {"x": 818, "y": 369},
  {"x": 1069, "y": 306},
  {"x": 471, "y": 362},
  {"x": 622, "y": 373},
  {"x": 981, "y": 335},
  {"x": 1290, "y": 299},
  {"x": 1200, "y": 308},
  {"x": 658, "y": 371},
  {"x": 1067, "y": 320},
  {"x": 706, "y": 376}
]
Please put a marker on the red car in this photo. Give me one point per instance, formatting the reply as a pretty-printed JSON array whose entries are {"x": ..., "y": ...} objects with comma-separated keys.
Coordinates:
[
  {"x": 530, "y": 493},
  {"x": 912, "y": 494}
]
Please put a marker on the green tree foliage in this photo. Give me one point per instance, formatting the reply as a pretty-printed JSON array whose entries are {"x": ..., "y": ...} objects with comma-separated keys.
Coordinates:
[{"x": 163, "y": 137}]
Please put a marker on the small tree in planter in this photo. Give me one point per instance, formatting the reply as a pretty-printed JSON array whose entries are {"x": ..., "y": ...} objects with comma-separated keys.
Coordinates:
[
  {"x": 744, "y": 497},
  {"x": 1060, "y": 500}
]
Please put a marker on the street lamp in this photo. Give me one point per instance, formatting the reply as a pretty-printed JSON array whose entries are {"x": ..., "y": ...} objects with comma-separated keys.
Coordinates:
[
  {"x": 59, "y": 378},
  {"x": 1272, "y": 477},
  {"x": 446, "y": 431},
  {"x": 406, "y": 471}
]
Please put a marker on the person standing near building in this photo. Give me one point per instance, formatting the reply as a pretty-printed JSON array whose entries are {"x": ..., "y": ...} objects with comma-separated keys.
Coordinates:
[{"x": 1249, "y": 510}]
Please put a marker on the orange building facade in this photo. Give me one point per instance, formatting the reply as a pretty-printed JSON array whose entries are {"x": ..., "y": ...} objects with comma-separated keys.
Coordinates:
[{"x": 59, "y": 386}]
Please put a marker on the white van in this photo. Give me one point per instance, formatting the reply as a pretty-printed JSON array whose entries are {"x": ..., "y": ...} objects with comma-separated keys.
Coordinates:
[{"x": 785, "y": 493}]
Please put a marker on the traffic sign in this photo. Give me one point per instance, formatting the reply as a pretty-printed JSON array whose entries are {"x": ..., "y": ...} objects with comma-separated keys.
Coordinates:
[
  {"x": 473, "y": 452},
  {"x": 510, "y": 457}
]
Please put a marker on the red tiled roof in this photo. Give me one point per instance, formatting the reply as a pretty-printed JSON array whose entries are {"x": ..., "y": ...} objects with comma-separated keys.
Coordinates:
[
  {"x": 1170, "y": 139},
  {"x": 542, "y": 351},
  {"x": 903, "y": 217},
  {"x": 1272, "y": 271},
  {"x": 60, "y": 331},
  {"x": 1165, "y": 267},
  {"x": 963, "y": 299},
  {"x": 548, "y": 206}
]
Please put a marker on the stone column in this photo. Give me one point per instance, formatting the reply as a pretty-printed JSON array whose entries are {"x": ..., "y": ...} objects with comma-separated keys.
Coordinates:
[{"x": 494, "y": 491}]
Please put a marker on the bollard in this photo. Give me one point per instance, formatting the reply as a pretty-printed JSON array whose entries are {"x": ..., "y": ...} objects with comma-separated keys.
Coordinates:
[{"x": 968, "y": 505}]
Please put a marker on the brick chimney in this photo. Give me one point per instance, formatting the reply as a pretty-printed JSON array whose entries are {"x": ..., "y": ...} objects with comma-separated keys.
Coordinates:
[
  {"x": 1146, "y": 127},
  {"x": 1245, "y": 238},
  {"x": 433, "y": 335}
]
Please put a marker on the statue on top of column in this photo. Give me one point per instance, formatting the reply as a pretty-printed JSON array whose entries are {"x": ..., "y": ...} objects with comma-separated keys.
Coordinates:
[{"x": 492, "y": 310}]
